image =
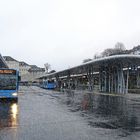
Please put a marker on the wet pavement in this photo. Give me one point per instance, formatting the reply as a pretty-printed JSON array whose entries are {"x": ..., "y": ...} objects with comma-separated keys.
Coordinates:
[{"x": 42, "y": 114}]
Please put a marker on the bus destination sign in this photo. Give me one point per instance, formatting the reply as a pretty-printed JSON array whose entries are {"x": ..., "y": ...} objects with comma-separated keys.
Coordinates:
[{"x": 6, "y": 71}]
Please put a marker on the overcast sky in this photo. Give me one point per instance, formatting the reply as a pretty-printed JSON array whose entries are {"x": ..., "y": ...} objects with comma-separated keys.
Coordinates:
[{"x": 64, "y": 32}]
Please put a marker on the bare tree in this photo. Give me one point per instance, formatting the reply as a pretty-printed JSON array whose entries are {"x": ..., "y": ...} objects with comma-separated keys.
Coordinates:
[
  {"x": 107, "y": 52},
  {"x": 96, "y": 56},
  {"x": 119, "y": 47},
  {"x": 47, "y": 67}
]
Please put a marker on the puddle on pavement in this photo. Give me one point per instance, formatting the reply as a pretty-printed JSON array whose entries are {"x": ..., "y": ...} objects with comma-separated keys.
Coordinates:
[{"x": 105, "y": 111}]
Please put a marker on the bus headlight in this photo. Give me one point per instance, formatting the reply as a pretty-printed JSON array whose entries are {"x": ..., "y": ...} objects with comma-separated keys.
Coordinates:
[{"x": 14, "y": 94}]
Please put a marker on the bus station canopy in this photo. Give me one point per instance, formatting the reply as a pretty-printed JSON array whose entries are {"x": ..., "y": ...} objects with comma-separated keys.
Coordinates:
[{"x": 124, "y": 60}]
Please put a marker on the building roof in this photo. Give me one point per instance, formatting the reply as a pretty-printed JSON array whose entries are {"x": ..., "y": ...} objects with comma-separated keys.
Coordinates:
[
  {"x": 33, "y": 66},
  {"x": 2, "y": 62},
  {"x": 36, "y": 69},
  {"x": 9, "y": 58},
  {"x": 22, "y": 63}
]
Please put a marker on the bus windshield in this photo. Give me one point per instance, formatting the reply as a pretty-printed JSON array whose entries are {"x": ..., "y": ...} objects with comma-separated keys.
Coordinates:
[{"x": 7, "y": 82}]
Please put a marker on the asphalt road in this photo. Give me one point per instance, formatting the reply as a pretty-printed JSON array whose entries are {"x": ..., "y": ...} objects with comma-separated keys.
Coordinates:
[{"x": 48, "y": 115}]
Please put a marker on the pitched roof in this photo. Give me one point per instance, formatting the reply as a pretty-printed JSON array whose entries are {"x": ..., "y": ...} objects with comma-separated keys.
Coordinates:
[
  {"x": 36, "y": 70},
  {"x": 9, "y": 58},
  {"x": 33, "y": 66},
  {"x": 2, "y": 62},
  {"x": 22, "y": 63}
]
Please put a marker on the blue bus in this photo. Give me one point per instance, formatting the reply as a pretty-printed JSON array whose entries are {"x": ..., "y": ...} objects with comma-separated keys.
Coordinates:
[
  {"x": 9, "y": 83},
  {"x": 48, "y": 84}
]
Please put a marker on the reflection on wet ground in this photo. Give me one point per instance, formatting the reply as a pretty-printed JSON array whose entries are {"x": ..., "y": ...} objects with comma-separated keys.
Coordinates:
[
  {"x": 106, "y": 111},
  {"x": 8, "y": 114},
  {"x": 53, "y": 115}
]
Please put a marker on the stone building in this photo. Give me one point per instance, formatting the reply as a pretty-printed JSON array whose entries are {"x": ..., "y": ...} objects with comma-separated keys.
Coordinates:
[
  {"x": 24, "y": 68},
  {"x": 26, "y": 71},
  {"x": 11, "y": 62},
  {"x": 33, "y": 73}
]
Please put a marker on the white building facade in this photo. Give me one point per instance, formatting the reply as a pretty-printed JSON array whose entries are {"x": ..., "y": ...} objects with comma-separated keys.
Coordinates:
[{"x": 26, "y": 71}]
